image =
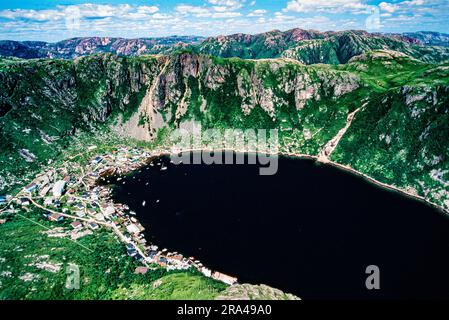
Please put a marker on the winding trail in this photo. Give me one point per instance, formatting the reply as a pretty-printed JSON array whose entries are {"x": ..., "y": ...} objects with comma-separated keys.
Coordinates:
[{"x": 329, "y": 148}]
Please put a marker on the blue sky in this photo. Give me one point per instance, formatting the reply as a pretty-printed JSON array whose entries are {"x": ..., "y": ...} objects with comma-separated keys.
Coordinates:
[{"x": 50, "y": 20}]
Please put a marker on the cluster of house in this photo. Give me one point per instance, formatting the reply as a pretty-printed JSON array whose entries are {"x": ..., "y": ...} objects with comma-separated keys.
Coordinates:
[{"x": 84, "y": 198}]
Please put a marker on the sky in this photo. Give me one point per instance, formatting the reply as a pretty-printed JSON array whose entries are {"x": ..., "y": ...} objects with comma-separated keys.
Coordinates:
[{"x": 49, "y": 20}]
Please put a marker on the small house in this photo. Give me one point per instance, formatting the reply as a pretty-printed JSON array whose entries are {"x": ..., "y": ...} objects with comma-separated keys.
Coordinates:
[
  {"x": 97, "y": 160},
  {"x": 76, "y": 225},
  {"x": 93, "y": 226},
  {"x": 132, "y": 228},
  {"x": 48, "y": 201},
  {"x": 99, "y": 217},
  {"x": 138, "y": 257},
  {"x": 56, "y": 217},
  {"x": 58, "y": 188},
  {"x": 110, "y": 210},
  {"x": 80, "y": 214},
  {"x": 207, "y": 272},
  {"x": 31, "y": 187},
  {"x": 24, "y": 201},
  {"x": 44, "y": 191},
  {"x": 152, "y": 254},
  {"x": 224, "y": 278}
]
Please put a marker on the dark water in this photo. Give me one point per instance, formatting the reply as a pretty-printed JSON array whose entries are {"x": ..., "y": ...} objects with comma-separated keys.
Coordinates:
[{"x": 310, "y": 230}]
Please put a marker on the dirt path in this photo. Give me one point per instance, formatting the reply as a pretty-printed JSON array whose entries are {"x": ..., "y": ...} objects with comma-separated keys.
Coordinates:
[{"x": 326, "y": 152}]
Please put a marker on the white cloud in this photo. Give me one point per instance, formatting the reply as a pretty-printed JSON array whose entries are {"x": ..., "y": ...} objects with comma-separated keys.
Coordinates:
[
  {"x": 86, "y": 10},
  {"x": 231, "y": 4},
  {"x": 414, "y": 2},
  {"x": 194, "y": 10},
  {"x": 325, "y": 6},
  {"x": 257, "y": 13},
  {"x": 226, "y": 15},
  {"x": 219, "y": 9},
  {"x": 161, "y": 16},
  {"x": 41, "y": 15},
  {"x": 406, "y": 10},
  {"x": 388, "y": 7},
  {"x": 147, "y": 9}
]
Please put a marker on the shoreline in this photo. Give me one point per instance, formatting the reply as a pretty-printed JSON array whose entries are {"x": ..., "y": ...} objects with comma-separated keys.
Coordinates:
[
  {"x": 328, "y": 162},
  {"x": 146, "y": 156}
]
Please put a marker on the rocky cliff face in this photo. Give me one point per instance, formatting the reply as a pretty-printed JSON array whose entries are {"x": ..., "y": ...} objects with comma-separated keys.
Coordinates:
[
  {"x": 251, "y": 292},
  {"x": 196, "y": 87},
  {"x": 44, "y": 103},
  {"x": 398, "y": 135}
]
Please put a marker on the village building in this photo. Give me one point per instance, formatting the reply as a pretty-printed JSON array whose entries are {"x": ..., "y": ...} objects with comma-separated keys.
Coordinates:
[
  {"x": 48, "y": 201},
  {"x": 132, "y": 252},
  {"x": 93, "y": 225},
  {"x": 31, "y": 187},
  {"x": 162, "y": 261},
  {"x": 58, "y": 188},
  {"x": 56, "y": 217},
  {"x": 132, "y": 228},
  {"x": 97, "y": 160},
  {"x": 76, "y": 225},
  {"x": 207, "y": 272},
  {"x": 99, "y": 217},
  {"x": 24, "y": 201},
  {"x": 80, "y": 214},
  {"x": 43, "y": 192},
  {"x": 224, "y": 278}
]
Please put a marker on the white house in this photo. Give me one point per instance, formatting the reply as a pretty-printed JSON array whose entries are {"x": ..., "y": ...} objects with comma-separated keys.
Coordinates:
[{"x": 58, "y": 188}]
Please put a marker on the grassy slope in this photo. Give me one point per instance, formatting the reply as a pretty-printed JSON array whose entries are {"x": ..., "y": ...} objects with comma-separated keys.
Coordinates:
[
  {"x": 396, "y": 141},
  {"x": 106, "y": 273}
]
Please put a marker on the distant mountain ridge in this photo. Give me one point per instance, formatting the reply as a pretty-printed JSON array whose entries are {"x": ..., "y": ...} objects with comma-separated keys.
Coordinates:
[
  {"x": 77, "y": 47},
  {"x": 311, "y": 47},
  {"x": 430, "y": 38},
  {"x": 306, "y": 46}
]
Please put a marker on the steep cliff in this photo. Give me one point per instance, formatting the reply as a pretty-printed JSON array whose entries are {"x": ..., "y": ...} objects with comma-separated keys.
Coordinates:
[
  {"x": 398, "y": 135},
  {"x": 45, "y": 102}
]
